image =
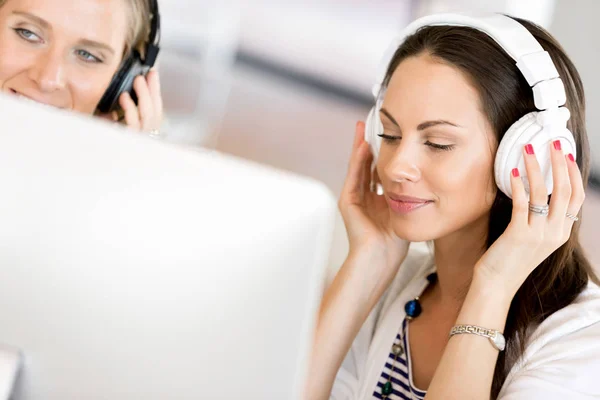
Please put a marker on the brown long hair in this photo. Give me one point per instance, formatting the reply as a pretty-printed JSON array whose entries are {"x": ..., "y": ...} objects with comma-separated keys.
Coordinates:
[{"x": 505, "y": 96}]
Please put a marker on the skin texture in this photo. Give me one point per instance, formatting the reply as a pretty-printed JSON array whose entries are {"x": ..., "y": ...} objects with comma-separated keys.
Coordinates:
[{"x": 459, "y": 180}]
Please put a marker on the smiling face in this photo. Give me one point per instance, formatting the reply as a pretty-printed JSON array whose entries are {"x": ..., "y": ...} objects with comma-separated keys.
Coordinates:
[
  {"x": 63, "y": 53},
  {"x": 436, "y": 159}
]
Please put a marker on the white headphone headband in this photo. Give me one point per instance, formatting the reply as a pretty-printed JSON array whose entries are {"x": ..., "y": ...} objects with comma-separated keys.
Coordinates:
[{"x": 532, "y": 60}]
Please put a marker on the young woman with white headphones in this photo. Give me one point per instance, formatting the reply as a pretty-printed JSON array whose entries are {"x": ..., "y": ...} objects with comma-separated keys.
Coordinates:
[
  {"x": 82, "y": 54},
  {"x": 479, "y": 145}
]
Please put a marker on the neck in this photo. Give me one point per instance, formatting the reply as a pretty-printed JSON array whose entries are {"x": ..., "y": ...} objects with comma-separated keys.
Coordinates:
[{"x": 455, "y": 259}]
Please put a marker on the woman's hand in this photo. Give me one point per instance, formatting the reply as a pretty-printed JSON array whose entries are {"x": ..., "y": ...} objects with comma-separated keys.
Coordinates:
[
  {"x": 530, "y": 238},
  {"x": 147, "y": 115},
  {"x": 366, "y": 214}
]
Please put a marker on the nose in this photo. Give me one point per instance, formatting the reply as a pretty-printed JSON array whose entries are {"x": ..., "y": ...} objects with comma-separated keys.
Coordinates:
[
  {"x": 48, "y": 72},
  {"x": 402, "y": 165}
]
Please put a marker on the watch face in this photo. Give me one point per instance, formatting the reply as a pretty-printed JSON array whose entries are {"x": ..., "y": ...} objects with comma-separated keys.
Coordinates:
[{"x": 498, "y": 341}]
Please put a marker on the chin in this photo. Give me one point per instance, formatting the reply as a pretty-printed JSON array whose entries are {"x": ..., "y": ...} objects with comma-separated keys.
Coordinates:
[{"x": 414, "y": 232}]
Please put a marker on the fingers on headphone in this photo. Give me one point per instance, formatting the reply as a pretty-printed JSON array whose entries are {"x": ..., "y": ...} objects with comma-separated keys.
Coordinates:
[
  {"x": 155, "y": 90},
  {"x": 520, "y": 211},
  {"x": 537, "y": 184},
  {"x": 355, "y": 175},
  {"x": 375, "y": 177},
  {"x": 366, "y": 162},
  {"x": 358, "y": 135},
  {"x": 577, "y": 186},
  {"x": 561, "y": 194},
  {"x": 145, "y": 103},
  {"x": 367, "y": 175},
  {"x": 132, "y": 117}
]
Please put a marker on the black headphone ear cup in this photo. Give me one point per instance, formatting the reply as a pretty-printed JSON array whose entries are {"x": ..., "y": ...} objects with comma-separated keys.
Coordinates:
[
  {"x": 122, "y": 82},
  {"x": 111, "y": 95}
]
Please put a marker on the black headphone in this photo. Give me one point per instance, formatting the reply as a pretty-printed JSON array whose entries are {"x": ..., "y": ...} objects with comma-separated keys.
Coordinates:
[{"x": 133, "y": 66}]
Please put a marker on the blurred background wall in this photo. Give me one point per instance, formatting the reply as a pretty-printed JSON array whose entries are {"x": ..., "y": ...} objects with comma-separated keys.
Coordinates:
[{"x": 284, "y": 82}]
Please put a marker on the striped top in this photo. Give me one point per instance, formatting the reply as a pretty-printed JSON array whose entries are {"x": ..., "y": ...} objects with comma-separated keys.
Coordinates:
[
  {"x": 566, "y": 341},
  {"x": 401, "y": 379}
]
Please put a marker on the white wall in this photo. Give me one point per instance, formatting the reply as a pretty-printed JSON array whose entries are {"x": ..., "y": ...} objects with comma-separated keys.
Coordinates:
[
  {"x": 338, "y": 41},
  {"x": 576, "y": 27}
]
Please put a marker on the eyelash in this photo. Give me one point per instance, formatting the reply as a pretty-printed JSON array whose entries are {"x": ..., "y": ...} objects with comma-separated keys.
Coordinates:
[
  {"x": 23, "y": 34},
  {"x": 85, "y": 56},
  {"x": 435, "y": 146}
]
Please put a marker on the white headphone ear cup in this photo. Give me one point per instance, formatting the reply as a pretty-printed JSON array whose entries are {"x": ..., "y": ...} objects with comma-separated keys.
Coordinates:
[
  {"x": 527, "y": 130},
  {"x": 510, "y": 150}
]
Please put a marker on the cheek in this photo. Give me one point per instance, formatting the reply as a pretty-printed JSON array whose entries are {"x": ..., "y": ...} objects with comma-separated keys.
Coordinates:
[
  {"x": 12, "y": 60},
  {"x": 466, "y": 182},
  {"x": 88, "y": 89}
]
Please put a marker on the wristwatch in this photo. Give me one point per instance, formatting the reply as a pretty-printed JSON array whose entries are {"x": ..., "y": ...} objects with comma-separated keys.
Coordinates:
[{"x": 496, "y": 337}]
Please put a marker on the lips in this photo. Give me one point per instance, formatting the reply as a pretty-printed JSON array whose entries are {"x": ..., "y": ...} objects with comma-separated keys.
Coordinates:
[
  {"x": 22, "y": 96},
  {"x": 403, "y": 204},
  {"x": 28, "y": 99},
  {"x": 406, "y": 199}
]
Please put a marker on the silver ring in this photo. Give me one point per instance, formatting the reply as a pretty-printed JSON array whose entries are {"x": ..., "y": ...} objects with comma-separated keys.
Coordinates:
[
  {"x": 154, "y": 133},
  {"x": 572, "y": 217},
  {"x": 540, "y": 210}
]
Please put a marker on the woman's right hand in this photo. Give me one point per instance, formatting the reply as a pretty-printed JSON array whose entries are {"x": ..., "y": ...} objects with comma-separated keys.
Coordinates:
[
  {"x": 147, "y": 114},
  {"x": 366, "y": 215}
]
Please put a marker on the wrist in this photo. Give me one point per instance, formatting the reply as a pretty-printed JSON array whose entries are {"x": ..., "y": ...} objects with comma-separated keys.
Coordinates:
[
  {"x": 487, "y": 304},
  {"x": 494, "y": 284}
]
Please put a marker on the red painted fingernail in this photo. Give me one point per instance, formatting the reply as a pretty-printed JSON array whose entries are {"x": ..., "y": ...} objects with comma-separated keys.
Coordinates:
[
  {"x": 557, "y": 145},
  {"x": 529, "y": 149},
  {"x": 571, "y": 157},
  {"x": 515, "y": 172}
]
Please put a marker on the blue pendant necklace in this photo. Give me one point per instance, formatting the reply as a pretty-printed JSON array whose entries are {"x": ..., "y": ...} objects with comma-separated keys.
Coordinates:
[{"x": 413, "y": 310}]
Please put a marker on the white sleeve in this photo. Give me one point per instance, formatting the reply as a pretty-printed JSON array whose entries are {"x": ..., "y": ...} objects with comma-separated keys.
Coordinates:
[{"x": 566, "y": 369}]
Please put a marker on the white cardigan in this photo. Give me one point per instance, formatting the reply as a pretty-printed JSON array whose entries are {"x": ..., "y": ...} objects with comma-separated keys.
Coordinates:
[{"x": 561, "y": 359}]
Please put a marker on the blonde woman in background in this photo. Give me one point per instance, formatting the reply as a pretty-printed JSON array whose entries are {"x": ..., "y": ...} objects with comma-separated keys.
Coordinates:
[{"x": 64, "y": 53}]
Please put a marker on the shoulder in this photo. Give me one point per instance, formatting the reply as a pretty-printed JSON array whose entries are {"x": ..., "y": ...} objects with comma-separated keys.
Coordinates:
[
  {"x": 563, "y": 353},
  {"x": 581, "y": 316}
]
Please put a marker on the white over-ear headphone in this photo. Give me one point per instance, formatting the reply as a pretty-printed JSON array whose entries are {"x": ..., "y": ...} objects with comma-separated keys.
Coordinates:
[{"x": 537, "y": 128}]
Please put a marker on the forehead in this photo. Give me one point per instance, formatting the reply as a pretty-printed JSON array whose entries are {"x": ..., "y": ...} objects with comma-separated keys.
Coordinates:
[
  {"x": 426, "y": 88},
  {"x": 99, "y": 20}
]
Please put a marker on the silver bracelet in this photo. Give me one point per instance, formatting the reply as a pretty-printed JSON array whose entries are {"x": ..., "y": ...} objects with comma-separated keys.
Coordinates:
[{"x": 495, "y": 337}]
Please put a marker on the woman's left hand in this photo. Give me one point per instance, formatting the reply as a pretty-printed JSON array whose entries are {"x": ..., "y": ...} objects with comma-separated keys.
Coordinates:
[
  {"x": 147, "y": 115},
  {"x": 530, "y": 238}
]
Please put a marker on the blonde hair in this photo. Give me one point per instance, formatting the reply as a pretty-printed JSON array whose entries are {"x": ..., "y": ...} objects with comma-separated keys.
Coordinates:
[{"x": 138, "y": 26}]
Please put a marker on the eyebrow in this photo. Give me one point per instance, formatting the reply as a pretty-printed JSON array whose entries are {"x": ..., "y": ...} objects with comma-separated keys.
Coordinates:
[
  {"x": 98, "y": 45},
  {"x": 423, "y": 125},
  {"x": 35, "y": 18},
  {"x": 46, "y": 25}
]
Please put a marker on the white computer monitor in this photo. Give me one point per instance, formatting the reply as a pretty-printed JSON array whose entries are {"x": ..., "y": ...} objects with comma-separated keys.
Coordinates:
[{"x": 134, "y": 269}]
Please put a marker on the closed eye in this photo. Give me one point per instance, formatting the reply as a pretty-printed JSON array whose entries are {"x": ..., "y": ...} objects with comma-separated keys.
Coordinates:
[
  {"x": 435, "y": 146},
  {"x": 443, "y": 147},
  {"x": 389, "y": 138}
]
